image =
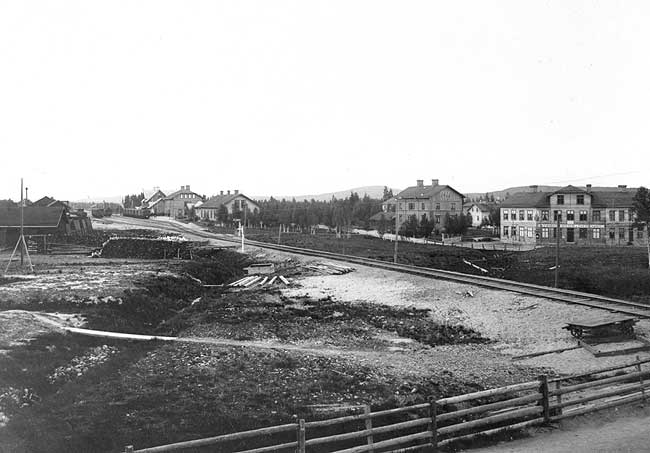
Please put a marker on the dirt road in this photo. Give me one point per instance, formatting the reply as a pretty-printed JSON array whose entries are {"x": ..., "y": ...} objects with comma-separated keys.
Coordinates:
[{"x": 600, "y": 433}]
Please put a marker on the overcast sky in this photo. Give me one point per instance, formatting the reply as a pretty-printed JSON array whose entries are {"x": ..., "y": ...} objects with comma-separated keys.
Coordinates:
[{"x": 305, "y": 97}]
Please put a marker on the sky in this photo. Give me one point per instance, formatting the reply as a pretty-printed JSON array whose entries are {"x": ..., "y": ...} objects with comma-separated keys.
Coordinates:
[{"x": 105, "y": 98}]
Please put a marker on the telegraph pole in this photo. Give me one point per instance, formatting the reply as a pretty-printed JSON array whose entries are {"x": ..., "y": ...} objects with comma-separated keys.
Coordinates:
[
  {"x": 22, "y": 223},
  {"x": 557, "y": 249},
  {"x": 396, "y": 231}
]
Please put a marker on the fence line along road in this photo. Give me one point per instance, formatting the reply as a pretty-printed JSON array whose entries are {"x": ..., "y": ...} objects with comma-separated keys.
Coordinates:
[
  {"x": 562, "y": 295},
  {"x": 446, "y": 421}
]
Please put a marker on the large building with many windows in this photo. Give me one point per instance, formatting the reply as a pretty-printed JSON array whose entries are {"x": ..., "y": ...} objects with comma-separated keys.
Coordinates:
[
  {"x": 433, "y": 201},
  {"x": 590, "y": 216}
]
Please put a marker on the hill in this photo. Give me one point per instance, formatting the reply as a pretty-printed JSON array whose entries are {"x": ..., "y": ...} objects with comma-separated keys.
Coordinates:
[{"x": 376, "y": 192}]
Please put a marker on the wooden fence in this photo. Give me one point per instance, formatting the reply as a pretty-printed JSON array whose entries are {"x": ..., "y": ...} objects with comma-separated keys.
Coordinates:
[{"x": 439, "y": 423}]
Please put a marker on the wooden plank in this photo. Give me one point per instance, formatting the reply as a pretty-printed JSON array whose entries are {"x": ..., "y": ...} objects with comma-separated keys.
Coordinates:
[
  {"x": 366, "y": 432},
  {"x": 219, "y": 439},
  {"x": 602, "y": 370},
  {"x": 272, "y": 448},
  {"x": 537, "y": 354},
  {"x": 490, "y": 432},
  {"x": 388, "y": 443},
  {"x": 489, "y": 420},
  {"x": 491, "y": 392},
  {"x": 598, "y": 383},
  {"x": 619, "y": 390},
  {"x": 350, "y": 418},
  {"x": 284, "y": 280},
  {"x": 488, "y": 407},
  {"x": 597, "y": 407}
]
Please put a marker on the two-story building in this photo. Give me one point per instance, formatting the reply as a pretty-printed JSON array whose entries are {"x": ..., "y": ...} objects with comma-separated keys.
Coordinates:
[
  {"x": 480, "y": 212},
  {"x": 598, "y": 215},
  {"x": 232, "y": 205},
  {"x": 433, "y": 201},
  {"x": 177, "y": 204}
]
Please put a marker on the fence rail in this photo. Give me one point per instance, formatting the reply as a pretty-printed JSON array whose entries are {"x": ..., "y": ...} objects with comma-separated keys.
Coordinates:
[{"x": 429, "y": 426}]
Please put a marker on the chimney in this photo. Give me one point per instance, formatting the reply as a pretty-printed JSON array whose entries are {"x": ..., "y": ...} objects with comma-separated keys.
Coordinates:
[
  {"x": 222, "y": 192},
  {"x": 228, "y": 192},
  {"x": 187, "y": 187},
  {"x": 589, "y": 188},
  {"x": 236, "y": 191},
  {"x": 434, "y": 182},
  {"x": 420, "y": 182},
  {"x": 534, "y": 188}
]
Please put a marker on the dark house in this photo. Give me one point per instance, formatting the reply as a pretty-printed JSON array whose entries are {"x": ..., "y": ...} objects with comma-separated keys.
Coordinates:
[{"x": 37, "y": 220}]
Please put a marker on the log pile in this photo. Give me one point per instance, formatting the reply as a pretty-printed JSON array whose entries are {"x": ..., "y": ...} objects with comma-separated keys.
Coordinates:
[
  {"x": 146, "y": 248},
  {"x": 260, "y": 281}
]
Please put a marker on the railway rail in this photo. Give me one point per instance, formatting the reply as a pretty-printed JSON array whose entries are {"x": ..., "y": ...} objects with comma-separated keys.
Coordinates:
[{"x": 562, "y": 295}]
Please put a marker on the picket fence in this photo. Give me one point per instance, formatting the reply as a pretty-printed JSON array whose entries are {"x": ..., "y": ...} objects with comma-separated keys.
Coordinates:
[{"x": 438, "y": 423}]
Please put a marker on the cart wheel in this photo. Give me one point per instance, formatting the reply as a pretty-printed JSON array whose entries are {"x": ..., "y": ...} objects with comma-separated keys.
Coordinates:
[{"x": 576, "y": 332}]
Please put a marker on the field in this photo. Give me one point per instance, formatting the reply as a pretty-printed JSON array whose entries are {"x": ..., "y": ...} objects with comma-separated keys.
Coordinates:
[
  {"x": 611, "y": 271},
  {"x": 248, "y": 358}
]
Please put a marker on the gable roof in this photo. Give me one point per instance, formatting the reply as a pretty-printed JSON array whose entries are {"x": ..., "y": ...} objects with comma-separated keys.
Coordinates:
[
  {"x": 34, "y": 216},
  {"x": 387, "y": 216},
  {"x": 569, "y": 189},
  {"x": 158, "y": 194},
  {"x": 526, "y": 200},
  {"x": 178, "y": 192},
  {"x": 484, "y": 207},
  {"x": 425, "y": 191},
  {"x": 218, "y": 200},
  {"x": 614, "y": 198}
]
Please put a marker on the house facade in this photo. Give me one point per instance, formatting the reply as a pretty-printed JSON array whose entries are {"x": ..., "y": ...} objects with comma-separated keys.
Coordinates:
[
  {"x": 589, "y": 216},
  {"x": 37, "y": 220},
  {"x": 479, "y": 212},
  {"x": 433, "y": 201},
  {"x": 177, "y": 204},
  {"x": 233, "y": 203}
]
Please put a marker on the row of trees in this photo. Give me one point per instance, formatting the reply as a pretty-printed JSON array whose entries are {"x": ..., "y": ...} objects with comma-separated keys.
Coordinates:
[
  {"x": 452, "y": 224},
  {"x": 133, "y": 200}
]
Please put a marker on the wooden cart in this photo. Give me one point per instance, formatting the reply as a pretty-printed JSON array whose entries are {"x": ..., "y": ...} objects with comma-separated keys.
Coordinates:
[{"x": 603, "y": 327}]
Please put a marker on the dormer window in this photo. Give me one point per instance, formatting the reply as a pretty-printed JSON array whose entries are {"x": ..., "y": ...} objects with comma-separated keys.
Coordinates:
[{"x": 560, "y": 199}]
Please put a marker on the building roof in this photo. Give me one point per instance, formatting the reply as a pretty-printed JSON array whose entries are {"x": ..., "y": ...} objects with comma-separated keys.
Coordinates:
[
  {"x": 218, "y": 200},
  {"x": 178, "y": 192},
  {"x": 425, "y": 191},
  {"x": 482, "y": 206},
  {"x": 158, "y": 194},
  {"x": 34, "y": 216},
  {"x": 526, "y": 200},
  {"x": 613, "y": 198},
  {"x": 7, "y": 204},
  {"x": 569, "y": 189}
]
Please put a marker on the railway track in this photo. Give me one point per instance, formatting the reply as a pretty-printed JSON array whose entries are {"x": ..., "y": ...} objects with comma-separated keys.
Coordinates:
[{"x": 562, "y": 295}]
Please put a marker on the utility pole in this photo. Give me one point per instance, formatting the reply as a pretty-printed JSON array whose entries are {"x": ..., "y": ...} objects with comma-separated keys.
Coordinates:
[
  {"x": 557, "y": 248},
  {"x": 396, "y": 230},
  {"x": 22, "y": 224}
]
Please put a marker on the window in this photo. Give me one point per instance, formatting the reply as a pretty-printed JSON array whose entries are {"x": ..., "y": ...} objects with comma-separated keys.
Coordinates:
[
  {"x": 621, "y": 233},
  {"x": 513, "y": 214},
  {"x": 506, "y": 230},
  {"x": 554, "y": 232},
  {"x": 580, "y": 199},
  {"x": 621, "y": 215},
  {"x": 521, "y": 214},
  {"x": 411, "y": 206},
  {"x": 612, "y": 233},
  {"x": 505, "y": 215},
  {"x": 514, "y": 231},
  {"x": 557, "y": 215},
  {"x": 529, "y": 232},
  {"x": 422, "y": 206},
  {"x": 437, "y": 206},
  {"x": 529, "y": 215},
  {"x": 639, "y": 233},
  {"x": 545, "y": 215},
  {"x": 583, "y": 216},
  {"x": 545, "y": 232},
  {"x": 582, "y": 233},
  {"x": 570, "y": 216},
  {"x": 453, "y": 206},
  {"x": 612, "y": 216},
  {"x": 437, "y": 219},
  {"x": 595, "y": 233},
  {"x": 560, "y": 199},
  {"x": 522, "y": 231},
  {"x": 595, "y": 216}
]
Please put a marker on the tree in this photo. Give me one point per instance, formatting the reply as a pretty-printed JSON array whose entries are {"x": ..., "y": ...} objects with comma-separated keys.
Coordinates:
[
  {"x": 410, "y": 227},
  {"x": 495, "y": 216},
  {"x": 426, "y": 227},
  {"x": 222, "y": 214},
  {"x": 641, "y": 209},
  {"x": 388, "y": 194}
]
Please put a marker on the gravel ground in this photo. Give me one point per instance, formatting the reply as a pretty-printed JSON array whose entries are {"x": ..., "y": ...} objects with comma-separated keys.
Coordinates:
[{"x": 519, "y": 324}]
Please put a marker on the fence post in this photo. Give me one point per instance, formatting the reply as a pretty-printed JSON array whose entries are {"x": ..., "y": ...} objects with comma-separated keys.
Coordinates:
[
  {"x": 638, "y": 368},
  {"x": 368, "y": 421},
  {"x": 543, "y": 389},
  {"x": 301, "y": 436},
  {"x": 558, "y": 398},
  {"x": 433, "y": 426}
]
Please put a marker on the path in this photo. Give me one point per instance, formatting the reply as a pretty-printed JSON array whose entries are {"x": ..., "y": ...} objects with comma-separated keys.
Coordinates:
[{"x": 600, "y": 433}]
